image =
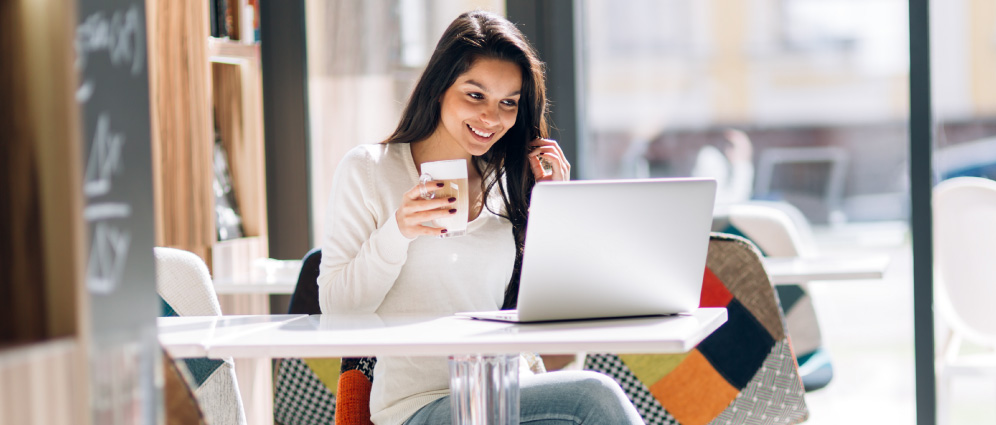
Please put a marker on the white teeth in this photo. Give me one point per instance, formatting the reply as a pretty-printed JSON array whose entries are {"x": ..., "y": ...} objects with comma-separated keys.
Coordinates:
[{"x": 479, "y": 133}]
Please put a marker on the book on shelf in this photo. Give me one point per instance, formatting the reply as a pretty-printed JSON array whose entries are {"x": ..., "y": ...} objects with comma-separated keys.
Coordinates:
[
  {"x": 253, "y": 21},
  {"x": 233, "y": 20},
  {"x": 220, "y": 18},
  {"x": 213, "y": 18}
]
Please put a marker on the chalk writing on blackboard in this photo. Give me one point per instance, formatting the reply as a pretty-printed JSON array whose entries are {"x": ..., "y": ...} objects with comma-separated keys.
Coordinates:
[
  {"x": 108, "y": 256},
  {"x": 121, "y": 35},
  {"x": 109, "y": 243},
  {"x": 105, "y": 158}
]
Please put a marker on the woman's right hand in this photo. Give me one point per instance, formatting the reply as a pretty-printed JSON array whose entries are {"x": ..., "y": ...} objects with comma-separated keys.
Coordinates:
[{"x": 415, "y": 210}]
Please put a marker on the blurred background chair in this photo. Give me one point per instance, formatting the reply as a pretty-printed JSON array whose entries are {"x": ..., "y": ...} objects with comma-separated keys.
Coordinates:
[
  {"x": 777, "y": 228},
  {"x": 184, "y": 285},
  {"x": 743, "y": 373},
  {"x": 976, "y": 158},
  {"x": 781, "y": 230},
  {"x": 965, "y": 268}
]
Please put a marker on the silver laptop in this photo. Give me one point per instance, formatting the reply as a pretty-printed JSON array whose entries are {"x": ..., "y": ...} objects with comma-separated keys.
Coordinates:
[{"x": 613, "y": 248}]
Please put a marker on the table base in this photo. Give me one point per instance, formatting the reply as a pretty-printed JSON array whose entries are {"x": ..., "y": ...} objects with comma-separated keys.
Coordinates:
[{"x": 484, "y": 389}]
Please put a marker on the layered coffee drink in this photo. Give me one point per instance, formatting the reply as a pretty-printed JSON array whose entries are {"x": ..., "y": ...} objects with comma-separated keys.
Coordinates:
[
  {"x": 455, "y": 224},
  {"x": 453, "y": 175}
]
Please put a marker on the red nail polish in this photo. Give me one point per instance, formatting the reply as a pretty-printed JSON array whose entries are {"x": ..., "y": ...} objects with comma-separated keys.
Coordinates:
[
  {"x": 442, "y": 231},
  {"x": 452, "y": 199},
  {"x": 439, "y": 184},
  {"x": 452, "y": 211}
]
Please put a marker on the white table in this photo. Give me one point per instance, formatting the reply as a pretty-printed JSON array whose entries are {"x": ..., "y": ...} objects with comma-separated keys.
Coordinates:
[
  {"x": 791, "y": 270},
  {"x": 461, "y": 338},
  {"x": 265, "y": 276},
  {"x": 190, "y": 336},
  {"x": 781, "y": 270},
  {"x": 277, "y": 336},
  {"x": 255, "y": 285}
]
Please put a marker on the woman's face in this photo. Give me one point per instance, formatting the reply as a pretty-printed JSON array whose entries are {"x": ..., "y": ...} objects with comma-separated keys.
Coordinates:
[{"x": 480, "y": 106}]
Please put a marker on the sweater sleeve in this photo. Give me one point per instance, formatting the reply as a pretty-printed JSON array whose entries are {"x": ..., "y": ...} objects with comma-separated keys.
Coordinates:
[{"x": 360, "y": 259}]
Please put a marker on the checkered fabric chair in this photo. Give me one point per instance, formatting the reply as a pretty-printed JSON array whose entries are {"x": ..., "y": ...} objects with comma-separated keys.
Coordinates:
[
  {"x": 320, "y": 391},
  {"x": 744, "y": 373}
]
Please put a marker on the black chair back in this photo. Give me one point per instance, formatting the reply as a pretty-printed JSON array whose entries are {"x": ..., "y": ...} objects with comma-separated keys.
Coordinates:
[{"x": 304, "y": 300}]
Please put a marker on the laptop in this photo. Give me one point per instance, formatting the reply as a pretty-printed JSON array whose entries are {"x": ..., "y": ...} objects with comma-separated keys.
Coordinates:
[{"x": 613, "y": 248}]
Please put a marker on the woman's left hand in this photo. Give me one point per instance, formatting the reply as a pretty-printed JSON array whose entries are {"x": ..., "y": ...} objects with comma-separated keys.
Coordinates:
[{"x": 556, "y": 166}]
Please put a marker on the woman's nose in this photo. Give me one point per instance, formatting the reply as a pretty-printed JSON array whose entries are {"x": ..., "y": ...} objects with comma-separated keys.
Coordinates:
[{"x": 489, "y": 114}]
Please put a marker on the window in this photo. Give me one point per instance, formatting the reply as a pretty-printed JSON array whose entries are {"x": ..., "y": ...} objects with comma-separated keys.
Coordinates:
[
  {"x": 656, "y": 97},
  {"x": 802, "y": 102}
]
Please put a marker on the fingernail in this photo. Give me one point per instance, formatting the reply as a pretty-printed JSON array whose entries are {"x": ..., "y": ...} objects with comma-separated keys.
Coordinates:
[
  {"x": 440, "y": 184},
  {"x": 442, "y": 231},
  {"x": 541, "y": 154},
  {"x": 452, "y": 200},
  {"x": 452, "y": 211}
]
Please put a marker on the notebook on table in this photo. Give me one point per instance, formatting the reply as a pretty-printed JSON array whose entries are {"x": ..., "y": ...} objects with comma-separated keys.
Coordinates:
[{"x": 613, "y": 248}]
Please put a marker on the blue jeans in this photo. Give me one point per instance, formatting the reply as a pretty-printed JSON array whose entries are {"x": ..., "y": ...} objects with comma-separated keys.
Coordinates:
[{"x": 562, "y": 397}]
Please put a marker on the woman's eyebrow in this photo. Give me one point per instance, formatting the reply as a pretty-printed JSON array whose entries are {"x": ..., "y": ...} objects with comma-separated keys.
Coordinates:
[{"x": 485, "y": 89}]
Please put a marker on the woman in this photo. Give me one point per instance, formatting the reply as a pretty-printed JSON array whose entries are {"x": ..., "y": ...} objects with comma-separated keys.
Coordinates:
[{"x": 481, "y": 98}]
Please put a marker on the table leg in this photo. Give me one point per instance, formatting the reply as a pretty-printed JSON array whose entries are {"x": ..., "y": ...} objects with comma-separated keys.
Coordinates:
[{"x": 484, "y": 389}]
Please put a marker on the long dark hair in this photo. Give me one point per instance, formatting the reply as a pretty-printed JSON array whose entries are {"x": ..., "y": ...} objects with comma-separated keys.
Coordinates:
[{"x": 505, "y": 167}]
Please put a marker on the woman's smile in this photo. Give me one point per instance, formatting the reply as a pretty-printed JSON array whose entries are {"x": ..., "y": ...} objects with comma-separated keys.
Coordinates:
[{"x": 481, "y": 134}]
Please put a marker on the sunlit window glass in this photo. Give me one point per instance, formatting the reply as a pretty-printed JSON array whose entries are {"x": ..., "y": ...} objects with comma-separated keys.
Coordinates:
[{"x": 799, "y": 109}]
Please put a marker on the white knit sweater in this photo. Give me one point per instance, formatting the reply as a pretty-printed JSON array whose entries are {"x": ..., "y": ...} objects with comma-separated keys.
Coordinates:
[{"x": 369, "y": 266}]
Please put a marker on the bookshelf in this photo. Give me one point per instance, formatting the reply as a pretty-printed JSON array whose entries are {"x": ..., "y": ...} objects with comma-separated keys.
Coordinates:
[
  {"x": 198, "y": 85},
  {"x": 44, "y": 334},
  {"x": 236, "y": 97}
]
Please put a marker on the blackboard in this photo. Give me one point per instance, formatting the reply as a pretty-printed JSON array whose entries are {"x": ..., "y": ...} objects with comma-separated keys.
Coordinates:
[{"x": 113, "y": 96}]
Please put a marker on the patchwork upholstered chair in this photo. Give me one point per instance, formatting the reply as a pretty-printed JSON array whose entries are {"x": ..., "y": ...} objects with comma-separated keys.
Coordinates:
[
  {"x": 305, "y": 388},
  {"x": 745, "y": 372},
  {"x": 320, "y": 391},
  {"x": 779, "y": 229},
  {"x": 184, "y": 285}
]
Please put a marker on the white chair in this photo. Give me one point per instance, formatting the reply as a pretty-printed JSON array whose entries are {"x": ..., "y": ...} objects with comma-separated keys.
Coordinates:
[
  {"x": 184, "y": 284},
  {"x": 965, "y": 279},
  {"x": 777, "y": 228}
]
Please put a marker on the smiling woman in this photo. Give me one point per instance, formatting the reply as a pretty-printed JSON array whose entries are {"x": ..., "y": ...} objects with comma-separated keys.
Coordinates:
[{"x": 482, "y": 101}]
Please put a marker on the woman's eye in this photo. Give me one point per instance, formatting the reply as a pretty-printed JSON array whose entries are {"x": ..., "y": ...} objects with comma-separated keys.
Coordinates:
[
  {"x": 476, "y": 96},
  {"x": 510, "y": 103}
]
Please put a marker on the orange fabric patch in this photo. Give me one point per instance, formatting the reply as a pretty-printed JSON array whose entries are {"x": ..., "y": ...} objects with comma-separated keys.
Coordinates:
[
  {"x": 694, "y": 393},
  {"x": 714, "y": 292},
  {"x": 352, "y": 401}
]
